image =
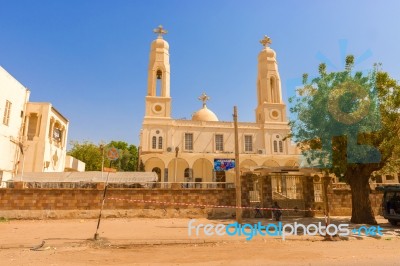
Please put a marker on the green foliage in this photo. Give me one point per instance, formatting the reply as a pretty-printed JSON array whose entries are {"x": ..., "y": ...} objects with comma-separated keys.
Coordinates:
[
  {"x": 93, "y": 155},
  {"x": 348, "y": 121},
  {"x": 349, "y": 124},
  {"x": 88, "y": 153},
  {"x": 128, "y": 156}
]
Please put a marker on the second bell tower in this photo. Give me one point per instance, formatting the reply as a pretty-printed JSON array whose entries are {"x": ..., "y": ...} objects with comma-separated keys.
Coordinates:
[
  {"x": 158, "y": 99},
  {"x": 270, "y": 107}
]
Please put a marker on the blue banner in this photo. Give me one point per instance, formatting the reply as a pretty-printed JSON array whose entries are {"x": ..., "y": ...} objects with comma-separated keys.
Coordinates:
[{"x": 223, "y": 164}]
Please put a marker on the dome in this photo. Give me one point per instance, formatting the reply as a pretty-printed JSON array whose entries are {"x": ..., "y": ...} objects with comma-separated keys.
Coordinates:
[
  {"x": 159, "y": 43},
  {"x": 204, "y": 114},
  {"x": 268, "y": 51}
]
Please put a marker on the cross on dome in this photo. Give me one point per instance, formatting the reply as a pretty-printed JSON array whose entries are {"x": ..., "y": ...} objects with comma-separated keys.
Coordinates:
[
  {"x": 160, "y": 31},
  {"x": 266, "y": 41},
  {"x": 204, "y": 98}
]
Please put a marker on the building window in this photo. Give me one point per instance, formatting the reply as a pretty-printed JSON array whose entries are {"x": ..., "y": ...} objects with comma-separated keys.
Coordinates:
[
  {"x": 33, "y": 121},
  {"x": 158, "y": 82},
  {"x": 57, "y": 134},
  {"x": 277, "y": 144},
  {"x": 154, "y": 142},
  {"x": 389, "y": 177},
  {"x": 219, "y": 142},
  {"x": 248, "y": 143},
  {"x": 188, "y": 141},
  {"x": 7, "y": 110},
  {"x": 186, "y": 174},
  {"x": 160, "y": 143}
]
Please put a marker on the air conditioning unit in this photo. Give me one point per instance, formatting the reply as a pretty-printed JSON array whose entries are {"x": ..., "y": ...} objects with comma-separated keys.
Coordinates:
[
  {"x": 261, "y": 151},
  {"x": 170, "y": 149}
]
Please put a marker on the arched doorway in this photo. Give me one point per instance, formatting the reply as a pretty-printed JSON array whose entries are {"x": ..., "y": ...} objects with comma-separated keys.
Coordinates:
[
  {"x": 157, "y": 170},
  {"x": 203, "y": 170},
  {"x": 181, "y": 165},
  {"x": 155, "y": 165}
]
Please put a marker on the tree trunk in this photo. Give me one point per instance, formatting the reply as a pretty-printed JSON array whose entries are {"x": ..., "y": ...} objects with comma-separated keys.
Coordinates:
[{"x": 361, "y": 212}]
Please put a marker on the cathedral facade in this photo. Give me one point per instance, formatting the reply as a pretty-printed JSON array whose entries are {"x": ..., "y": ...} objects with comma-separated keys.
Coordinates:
[{"x": 180, "y": 150}]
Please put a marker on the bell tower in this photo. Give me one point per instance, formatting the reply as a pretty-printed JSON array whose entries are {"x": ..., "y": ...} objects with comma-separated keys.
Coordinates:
[
  {"x": 158, "y": 100},
  {"x": 270, "y": 107}
]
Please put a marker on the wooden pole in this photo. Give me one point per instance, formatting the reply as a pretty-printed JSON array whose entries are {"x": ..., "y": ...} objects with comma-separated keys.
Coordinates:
[{"x": 238, "y": 184}]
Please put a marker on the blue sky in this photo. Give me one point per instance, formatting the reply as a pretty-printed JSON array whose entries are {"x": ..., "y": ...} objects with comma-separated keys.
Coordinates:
[{"x": 90, "y": 58}]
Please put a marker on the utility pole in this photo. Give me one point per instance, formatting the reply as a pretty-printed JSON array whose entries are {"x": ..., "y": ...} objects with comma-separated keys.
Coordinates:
[
  {"x": 102, "y": 159},
  {"x": 238, "y": 184}
]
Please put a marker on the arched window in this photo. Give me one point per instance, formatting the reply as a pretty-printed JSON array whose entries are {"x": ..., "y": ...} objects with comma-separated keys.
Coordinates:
[
  {"x": 273, "y": 90},
  {"x": 154, "y": 142},
  {"x": 158, "y": 82},
  {"x": 277, "y": 144},
  {"x": 160, "y": 143}
]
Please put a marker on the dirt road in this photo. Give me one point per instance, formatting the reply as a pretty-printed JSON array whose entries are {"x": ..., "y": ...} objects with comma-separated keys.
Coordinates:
[{"x": 166, "y": 241}]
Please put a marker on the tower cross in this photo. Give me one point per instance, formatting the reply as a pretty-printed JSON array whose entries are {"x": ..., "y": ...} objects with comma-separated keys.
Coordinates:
[
  {"x": 204, "y": 98},
  {"x": 160, "y": 31},
  {"x": 266, "y": 41}
]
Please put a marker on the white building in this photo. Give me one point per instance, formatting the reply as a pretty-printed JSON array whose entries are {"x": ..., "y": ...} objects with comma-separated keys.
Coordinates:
[
  {"x": 33, "y": 136},
  {"x": 13, "y": 99},
  {"x": 204, "y": 139}
]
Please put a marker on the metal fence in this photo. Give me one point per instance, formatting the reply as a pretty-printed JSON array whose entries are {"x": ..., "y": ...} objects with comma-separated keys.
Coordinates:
[{"x": 144, "y": 185}]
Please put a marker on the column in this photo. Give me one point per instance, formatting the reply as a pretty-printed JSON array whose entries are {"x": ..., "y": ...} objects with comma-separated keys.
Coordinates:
[
  {"x": 62, "y": 132},
  {"x": 26, "y": 126},
  {"x": 52, "y": 122}
]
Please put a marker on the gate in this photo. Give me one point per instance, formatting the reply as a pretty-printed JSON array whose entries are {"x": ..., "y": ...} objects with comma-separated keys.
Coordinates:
[{"x": 287, "y": 191}]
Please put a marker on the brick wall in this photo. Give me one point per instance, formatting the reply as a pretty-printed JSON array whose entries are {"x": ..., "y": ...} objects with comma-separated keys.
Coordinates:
[
  {"x": 18, "y": 199},
  {"x": 340, "y": 201},
  {"x": 85, "y": 203}
]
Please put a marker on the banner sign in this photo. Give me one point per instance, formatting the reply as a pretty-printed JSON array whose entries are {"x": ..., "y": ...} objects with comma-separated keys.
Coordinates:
[{"x": 223, "y": 164}]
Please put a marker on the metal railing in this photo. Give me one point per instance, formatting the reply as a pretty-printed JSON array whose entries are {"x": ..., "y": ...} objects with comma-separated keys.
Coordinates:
[
  {"x": 184, "y": 185},
  {"x": 144, "y": 185},
  {"x": 6, "y": 184}
]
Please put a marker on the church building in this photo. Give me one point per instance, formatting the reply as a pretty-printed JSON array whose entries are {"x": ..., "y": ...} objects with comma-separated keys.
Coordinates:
[{"x": 180, "y": 150}]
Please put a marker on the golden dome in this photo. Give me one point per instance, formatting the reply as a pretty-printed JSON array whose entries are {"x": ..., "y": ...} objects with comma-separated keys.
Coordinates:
[{"x": 204, "y": 114}]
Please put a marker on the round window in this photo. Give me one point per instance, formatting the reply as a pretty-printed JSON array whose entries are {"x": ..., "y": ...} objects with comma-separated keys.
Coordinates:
[{"x": 157, "y": 108}]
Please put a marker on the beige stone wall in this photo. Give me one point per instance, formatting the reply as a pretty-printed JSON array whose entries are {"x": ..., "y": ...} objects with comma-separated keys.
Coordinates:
[
  {"x": 44, "y": 153},
  {"x": 340, "y": 201},
  {"x": 64, "y": 203}
]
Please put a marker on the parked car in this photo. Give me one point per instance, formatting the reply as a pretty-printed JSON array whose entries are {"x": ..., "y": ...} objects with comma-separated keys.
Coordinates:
[{"x": 391, "y": 203}]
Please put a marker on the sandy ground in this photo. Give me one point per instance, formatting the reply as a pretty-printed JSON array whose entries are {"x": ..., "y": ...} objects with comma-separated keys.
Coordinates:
[{"x": 166, "y": 241}]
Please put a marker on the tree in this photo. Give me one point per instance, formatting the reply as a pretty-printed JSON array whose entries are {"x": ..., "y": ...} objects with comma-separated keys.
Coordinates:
[
  {"x": 348, "y": 124},
  {"x": 128, "y": 156},
  {"x": 88, "y": 153},
  {"x": 91, "y": 154}
]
